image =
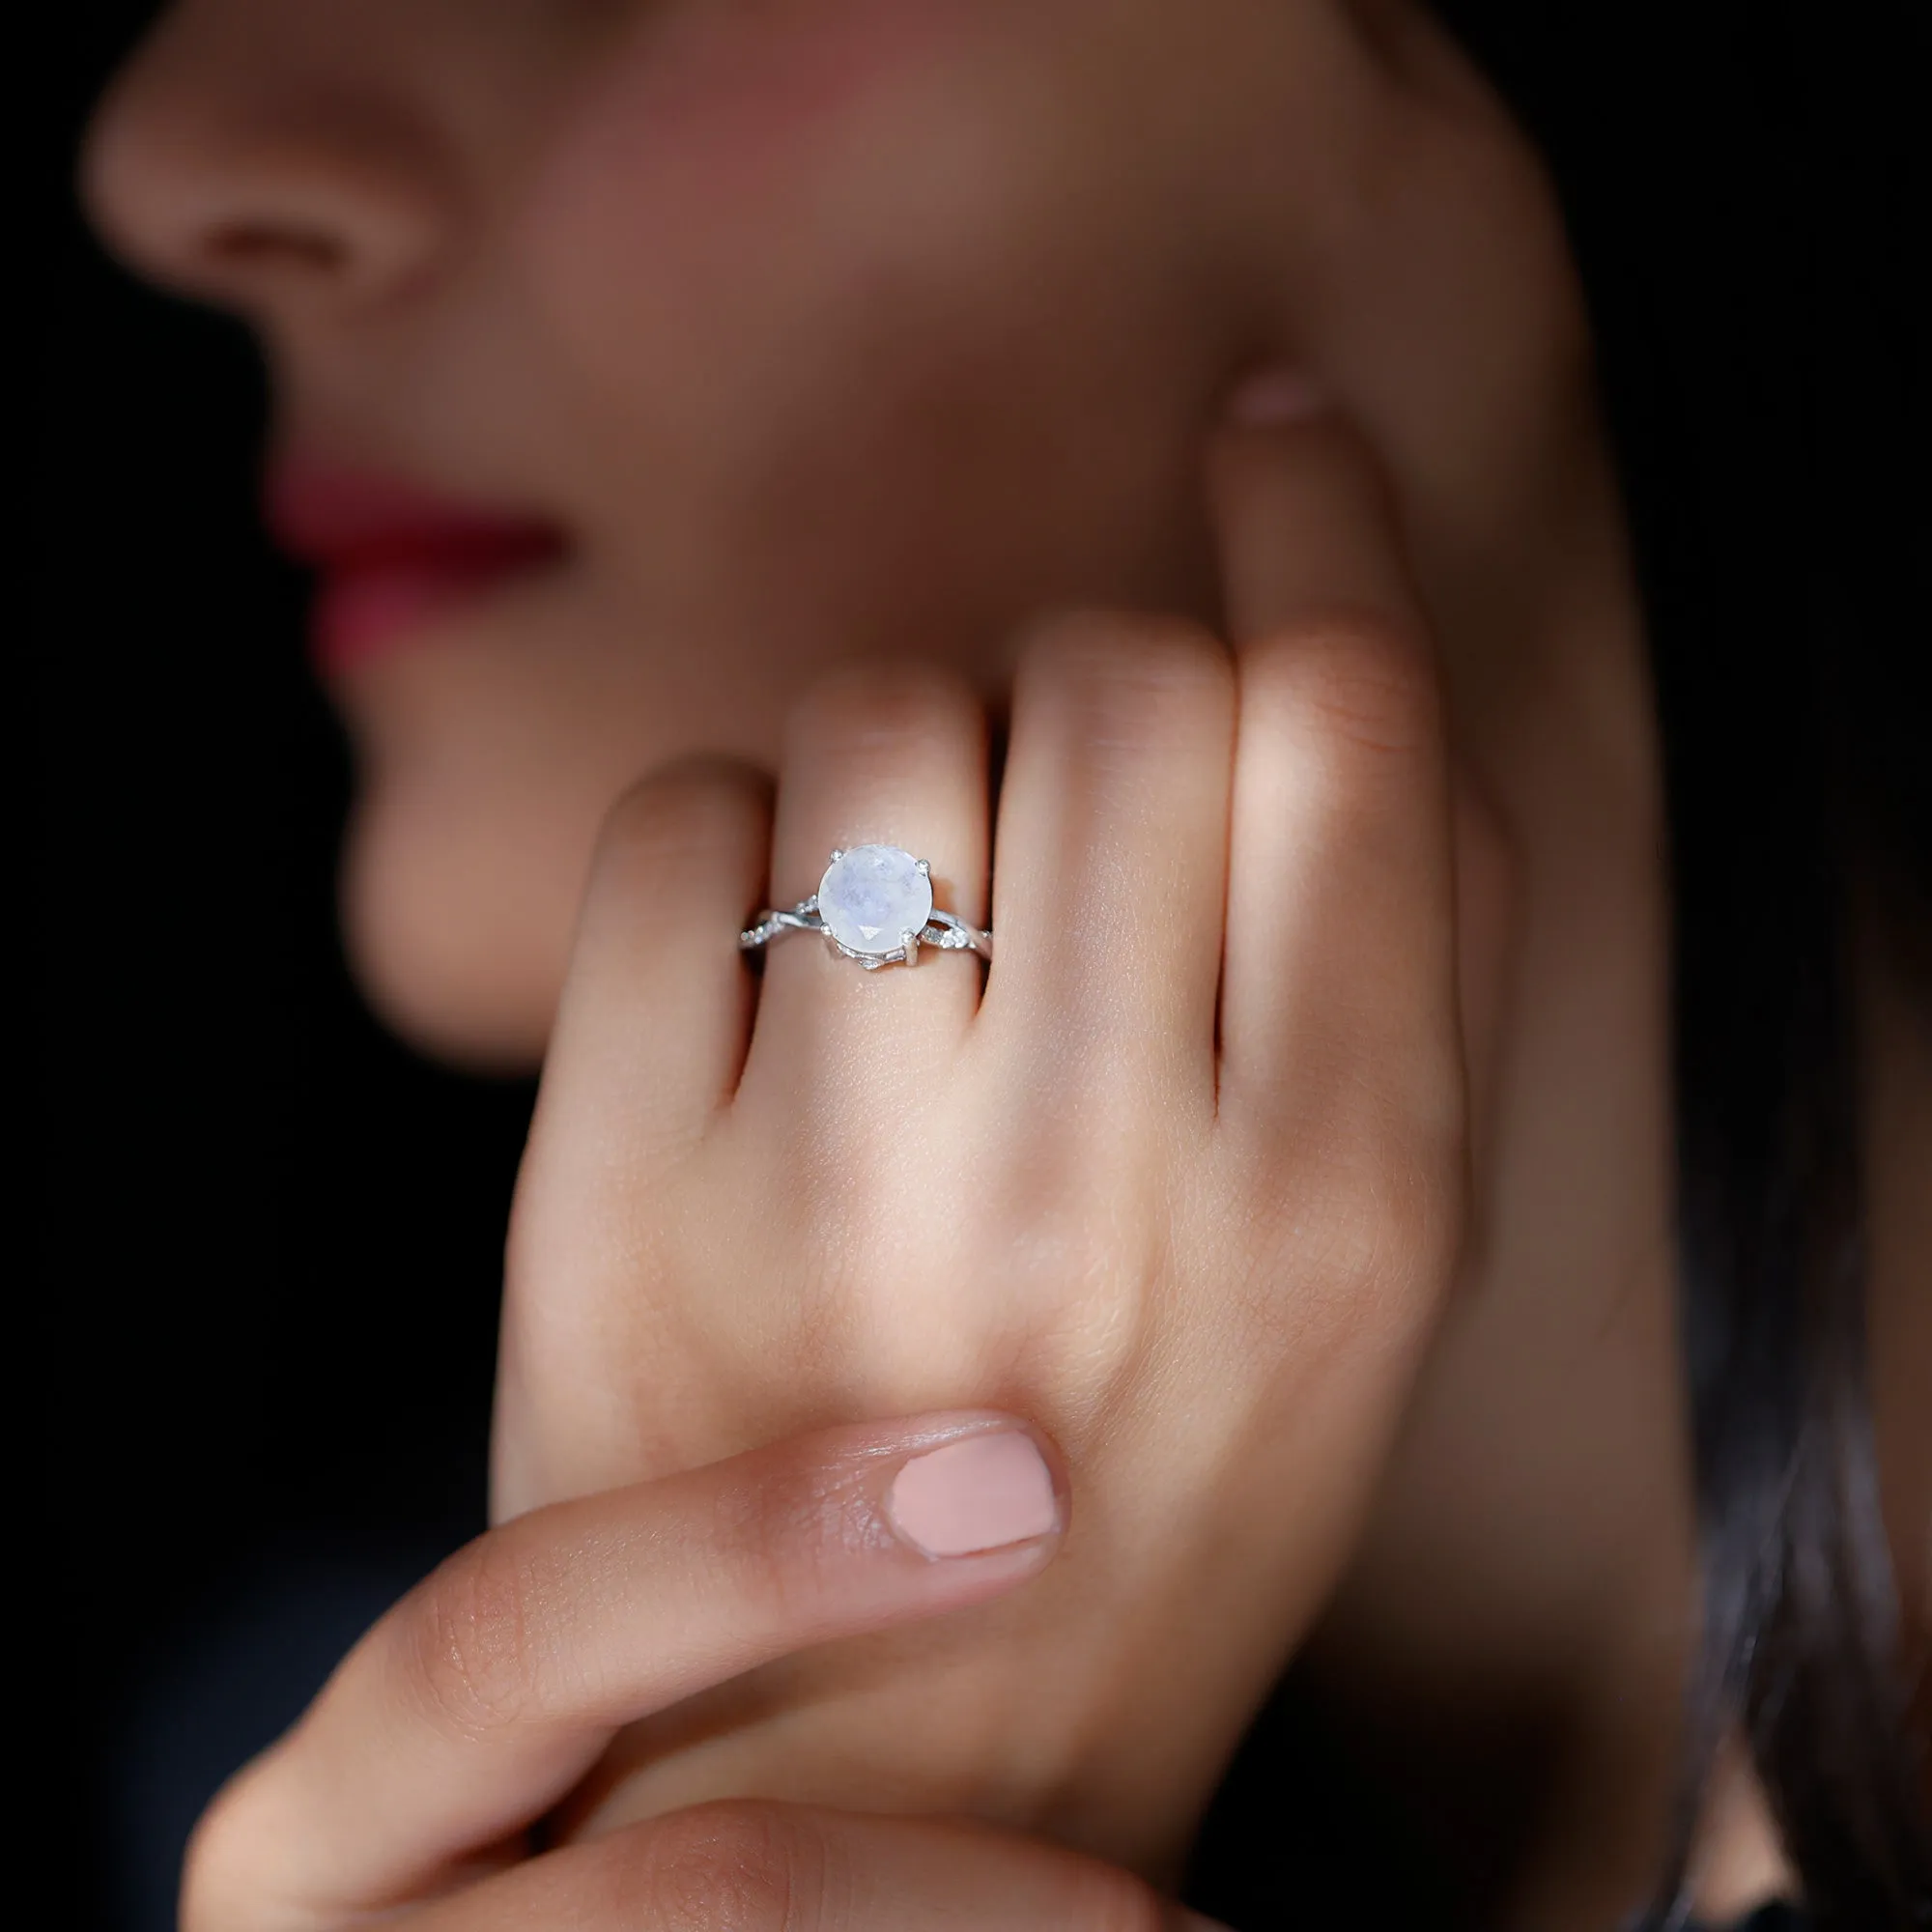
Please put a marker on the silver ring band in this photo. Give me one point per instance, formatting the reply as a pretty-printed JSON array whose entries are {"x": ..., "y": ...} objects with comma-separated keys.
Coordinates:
[{"x": 874, "y": 904}]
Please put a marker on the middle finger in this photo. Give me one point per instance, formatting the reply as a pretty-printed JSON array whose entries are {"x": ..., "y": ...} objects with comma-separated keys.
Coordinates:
[{"x": 1112, "y": 856}]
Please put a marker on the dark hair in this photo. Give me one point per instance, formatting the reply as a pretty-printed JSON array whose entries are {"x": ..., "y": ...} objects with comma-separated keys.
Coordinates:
[{"x": 1737, "y": 186}]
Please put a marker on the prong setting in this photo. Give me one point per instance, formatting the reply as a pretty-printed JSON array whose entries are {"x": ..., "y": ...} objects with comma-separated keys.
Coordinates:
[{"x": 874, "y": 904}]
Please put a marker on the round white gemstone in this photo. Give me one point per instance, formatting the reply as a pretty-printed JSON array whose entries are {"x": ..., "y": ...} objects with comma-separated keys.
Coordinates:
[{"x": 872, "y": 896}]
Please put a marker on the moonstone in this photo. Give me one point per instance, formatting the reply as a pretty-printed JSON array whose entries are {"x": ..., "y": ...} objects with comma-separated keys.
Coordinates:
[{"x": 871, "y": 896}]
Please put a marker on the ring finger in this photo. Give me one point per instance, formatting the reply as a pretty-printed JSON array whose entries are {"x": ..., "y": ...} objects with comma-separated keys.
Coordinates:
[{"x": 875, "y": 753}]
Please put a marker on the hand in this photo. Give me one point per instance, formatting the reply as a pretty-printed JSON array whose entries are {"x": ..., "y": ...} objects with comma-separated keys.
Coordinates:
[
  {"x": 410, "y": 1789},
  {"x": 1183, "y": 1187}
]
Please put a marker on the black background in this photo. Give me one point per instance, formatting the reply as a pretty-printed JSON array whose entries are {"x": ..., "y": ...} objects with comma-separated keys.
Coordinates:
[{"x": 268, "y": 1237}]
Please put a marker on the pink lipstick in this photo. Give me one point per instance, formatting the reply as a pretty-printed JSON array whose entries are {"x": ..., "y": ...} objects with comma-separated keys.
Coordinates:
[{"x": 389, "y": 556}]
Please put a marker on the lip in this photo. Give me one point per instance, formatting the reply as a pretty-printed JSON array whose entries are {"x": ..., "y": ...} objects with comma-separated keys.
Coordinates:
[{"x": 390, "y": 557}]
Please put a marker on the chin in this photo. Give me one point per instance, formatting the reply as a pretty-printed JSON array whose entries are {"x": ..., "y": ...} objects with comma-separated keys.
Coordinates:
[{"x": 451, "y": 948}]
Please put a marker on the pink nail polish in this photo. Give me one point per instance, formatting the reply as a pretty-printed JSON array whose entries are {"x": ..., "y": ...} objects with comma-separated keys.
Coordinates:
[{"x": 983, "y": 1493}]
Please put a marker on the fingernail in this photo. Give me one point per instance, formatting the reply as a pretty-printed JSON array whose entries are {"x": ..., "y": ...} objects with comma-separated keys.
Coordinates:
[
  {"x": 983, "y": 1493},
  {"x": 1275, "y": 395}
]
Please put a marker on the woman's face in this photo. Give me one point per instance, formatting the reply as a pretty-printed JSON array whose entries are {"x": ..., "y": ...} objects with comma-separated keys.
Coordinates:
[{"x": 760, "y": 334}]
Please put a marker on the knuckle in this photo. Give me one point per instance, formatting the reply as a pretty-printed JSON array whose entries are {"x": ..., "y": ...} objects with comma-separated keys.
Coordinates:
[
  {"x": 1364, "y": 679},
  {"x": 1415, "y": 1212},
  {"x": 1126, "y": 673},
  {"x": 1400, "y": 1105},
  {"x": 1384, "y": 1225},
  {"x": 472, "y": 1653},
  {"x": 1367, "y": 1228},
  {"x": 889, "y": 704},
  {"x": 780, "y": 1538},
  {"x": 734, "y": 1865}
]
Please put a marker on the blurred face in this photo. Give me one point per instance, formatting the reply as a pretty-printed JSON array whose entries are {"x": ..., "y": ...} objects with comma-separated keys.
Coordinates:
[{"x": 634, "y": 362}]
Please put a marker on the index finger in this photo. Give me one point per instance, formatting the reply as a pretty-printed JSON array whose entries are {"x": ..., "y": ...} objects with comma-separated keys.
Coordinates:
[{"x": 475, "y": 1704}]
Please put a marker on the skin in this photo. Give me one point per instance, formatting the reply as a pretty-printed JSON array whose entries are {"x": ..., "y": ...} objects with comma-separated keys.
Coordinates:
[
  {"x": 889, "y": 335},
  {"x": 409, "y": 1788}
]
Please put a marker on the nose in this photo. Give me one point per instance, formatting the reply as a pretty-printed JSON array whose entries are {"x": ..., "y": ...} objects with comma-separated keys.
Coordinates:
[{"x": 254, "y": 171}]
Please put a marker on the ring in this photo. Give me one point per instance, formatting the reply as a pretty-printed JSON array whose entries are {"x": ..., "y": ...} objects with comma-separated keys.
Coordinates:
[{"x": 874, "y": 904}]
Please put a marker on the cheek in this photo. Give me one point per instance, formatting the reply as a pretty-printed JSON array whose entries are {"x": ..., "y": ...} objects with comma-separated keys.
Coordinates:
[
  {"x": 1456, "y": 324},
  {"x": 818, "y": 269},
  {"x": 735, "y": 204}
]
